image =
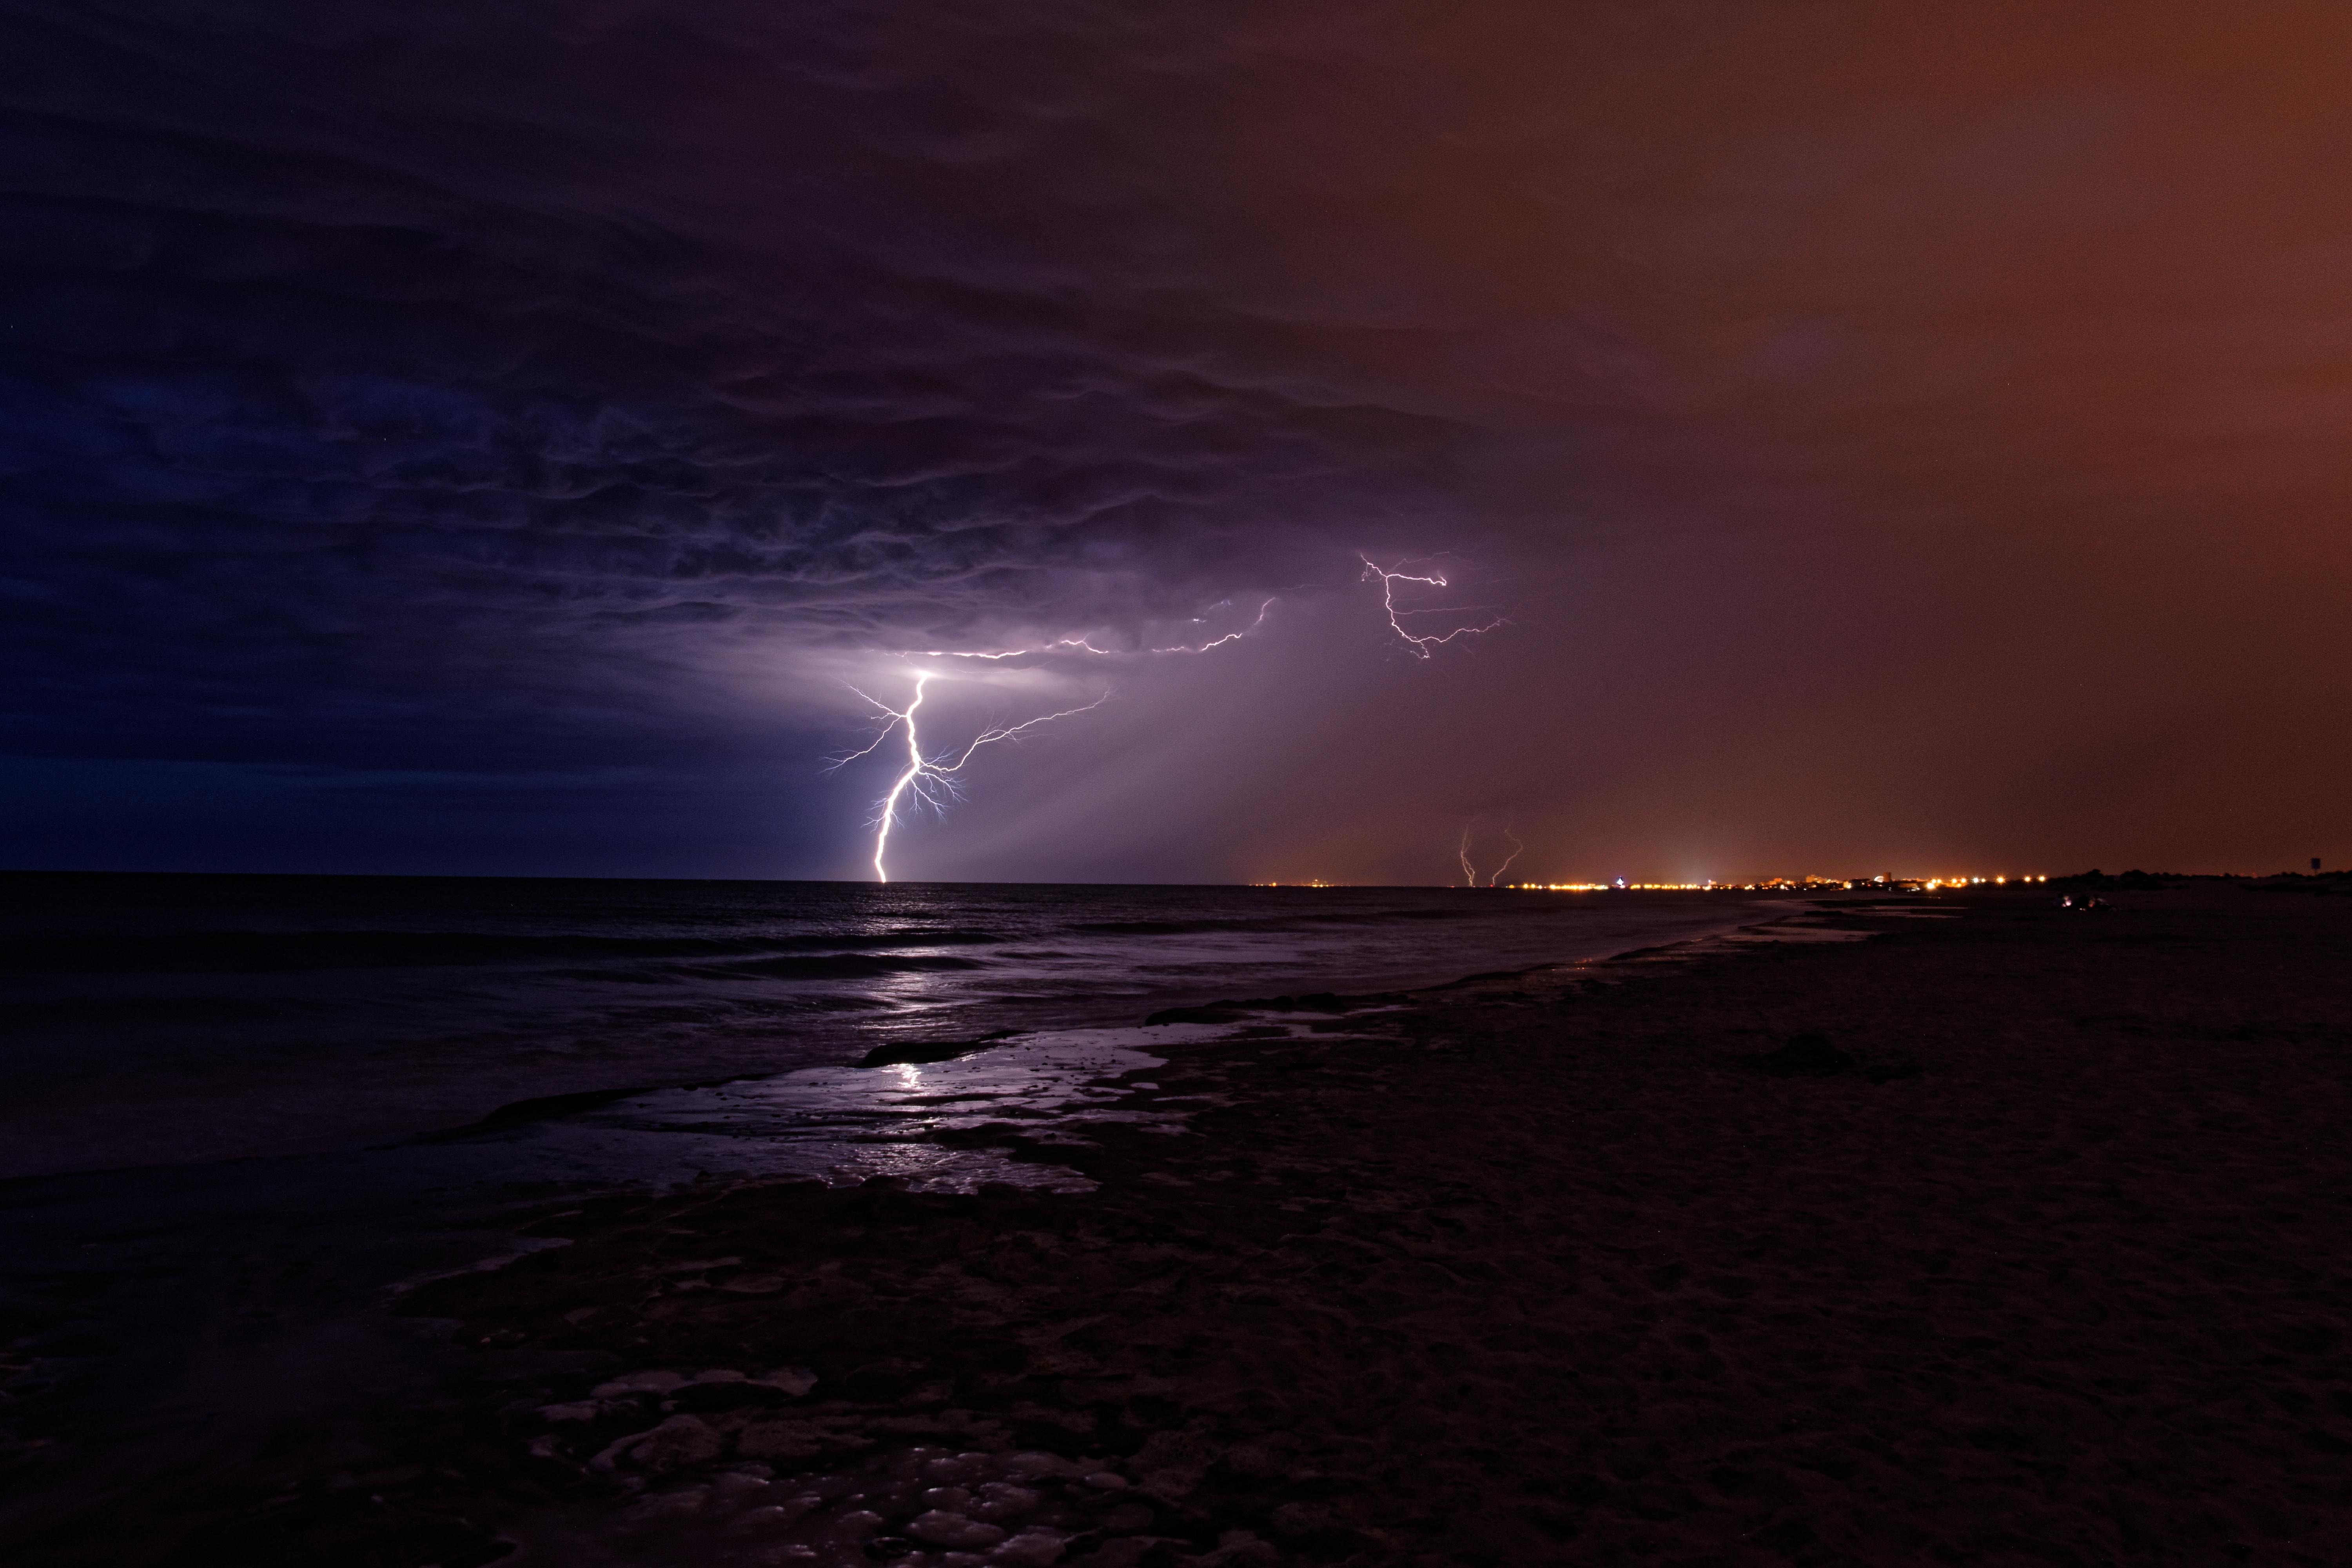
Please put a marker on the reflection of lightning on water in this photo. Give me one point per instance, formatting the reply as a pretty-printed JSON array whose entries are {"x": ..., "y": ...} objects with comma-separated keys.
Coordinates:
[
  {"x": 1469, "y": 871},
  {"x": 1421, "y": 645},
  {"x": 930, "y": 780}
]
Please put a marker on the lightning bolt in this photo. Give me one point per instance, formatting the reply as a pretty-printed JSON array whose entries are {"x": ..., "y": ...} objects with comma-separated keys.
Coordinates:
[
  {"x": 1080, "y": 645},
  {"x": 1421, "y": 645},
  {"x": 1516, "y": 848},
  {"x": 1469, "y": 871},
  {"x": 1229, "y": 637},
  {"x": 930, "y": 781}
]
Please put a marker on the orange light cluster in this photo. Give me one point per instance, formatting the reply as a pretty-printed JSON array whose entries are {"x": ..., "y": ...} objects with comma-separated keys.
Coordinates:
[
  {"x": 1778, "y": 885},
  {"x": 1769, "y": 885}
]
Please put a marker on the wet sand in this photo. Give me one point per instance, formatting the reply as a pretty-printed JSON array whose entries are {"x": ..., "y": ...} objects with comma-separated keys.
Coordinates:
[{"x": 2017, "y": 1237}]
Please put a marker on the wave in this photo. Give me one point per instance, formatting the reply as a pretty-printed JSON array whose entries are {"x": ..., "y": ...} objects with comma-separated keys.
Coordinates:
[{"x": 253, "y": 953}]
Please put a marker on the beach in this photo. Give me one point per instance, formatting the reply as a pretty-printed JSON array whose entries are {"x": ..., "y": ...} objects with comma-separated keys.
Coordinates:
[{"x": 1961, "y": 1229}]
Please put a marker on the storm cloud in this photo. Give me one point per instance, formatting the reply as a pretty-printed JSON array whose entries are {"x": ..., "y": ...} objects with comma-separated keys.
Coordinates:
[{"x": 1887, "y": 436}]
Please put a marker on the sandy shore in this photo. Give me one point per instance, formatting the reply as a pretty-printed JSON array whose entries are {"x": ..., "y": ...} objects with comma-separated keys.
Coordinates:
[{"x": 2014, "y": 1238}]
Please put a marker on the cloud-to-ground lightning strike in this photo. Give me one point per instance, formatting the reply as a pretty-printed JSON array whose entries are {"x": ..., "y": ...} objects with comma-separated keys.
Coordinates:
[
  {"x": 931, "y": 781},
  {"x": 922, "y": 775},
  {"x": 1469, "y": 871},
  {"x": 1421, "y": 645},
  {"x": 1516, "y": 848}
]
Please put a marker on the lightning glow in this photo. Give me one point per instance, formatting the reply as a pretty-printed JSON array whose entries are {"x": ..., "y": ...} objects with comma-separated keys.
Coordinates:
[
  {"x": 930, "y": 781},
  {"x": 1421, "y": 645}
]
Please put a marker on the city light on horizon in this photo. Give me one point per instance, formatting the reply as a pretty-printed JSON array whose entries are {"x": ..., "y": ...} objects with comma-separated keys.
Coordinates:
[{"x": 1765, "y": 884}]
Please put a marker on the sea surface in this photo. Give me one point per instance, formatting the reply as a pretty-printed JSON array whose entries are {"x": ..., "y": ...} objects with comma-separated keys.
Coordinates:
[
  {"x": 169, "y": 1019},
  {"x": 238, "y": 1113}
]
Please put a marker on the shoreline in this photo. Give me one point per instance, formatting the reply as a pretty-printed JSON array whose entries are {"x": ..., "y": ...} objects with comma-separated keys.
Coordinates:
[
  {"x": 320, "y": 1069},
  {"x": 1571, "y": 1265}
]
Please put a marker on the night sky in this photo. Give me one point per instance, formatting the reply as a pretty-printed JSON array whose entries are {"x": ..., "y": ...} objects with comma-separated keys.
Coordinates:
[{"x": 495, "y": 437}]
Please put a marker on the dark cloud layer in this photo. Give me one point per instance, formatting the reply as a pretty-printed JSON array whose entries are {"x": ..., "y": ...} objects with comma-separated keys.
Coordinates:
[
  {"x": 398, "y": 342},
  {"x": 1893, "y": 433}
]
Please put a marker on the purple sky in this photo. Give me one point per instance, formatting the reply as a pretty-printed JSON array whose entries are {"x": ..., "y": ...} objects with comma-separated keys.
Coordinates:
[{"x": 451, "y": 438}]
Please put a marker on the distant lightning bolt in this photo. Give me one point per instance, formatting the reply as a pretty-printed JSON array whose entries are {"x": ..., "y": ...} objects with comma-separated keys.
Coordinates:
[
  {"x": 1469, "y": 871},
  {"x": 930, "y": 780},
  {"x": 1421, "y": 645},
  {"x": 1516, "y": 848}
]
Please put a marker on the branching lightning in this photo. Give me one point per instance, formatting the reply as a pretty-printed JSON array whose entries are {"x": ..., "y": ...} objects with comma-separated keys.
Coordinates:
[
  {"x": 1421, "y": 644},
  {"x": 1073, "y": 644},
  {"x": 930, "y": 781},
  {"x": 1080, "y": 645},
  {"x": 1229, "y": 637}
]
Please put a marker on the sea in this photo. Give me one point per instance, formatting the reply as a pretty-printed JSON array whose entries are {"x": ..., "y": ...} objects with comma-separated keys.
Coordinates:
[
  {"x": 238, "y": 1113},
  {"x": 171, "y": 1020}
]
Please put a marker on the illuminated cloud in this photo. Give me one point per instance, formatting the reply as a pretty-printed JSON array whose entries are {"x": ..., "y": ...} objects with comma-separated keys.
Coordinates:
[{"x": 440, "y": 392}]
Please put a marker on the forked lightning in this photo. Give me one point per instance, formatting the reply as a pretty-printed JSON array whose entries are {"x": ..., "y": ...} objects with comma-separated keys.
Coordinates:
[
  {"x": 1421, "y": 644},
  {"x": 1470, "y": 872},
  {"x": 931, "y": 779}
]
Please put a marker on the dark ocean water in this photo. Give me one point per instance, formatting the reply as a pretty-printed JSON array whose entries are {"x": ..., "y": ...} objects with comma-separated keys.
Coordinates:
[
  {"x": 219, "y": 1099},
  {"x": 158, "y": 1020}
]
